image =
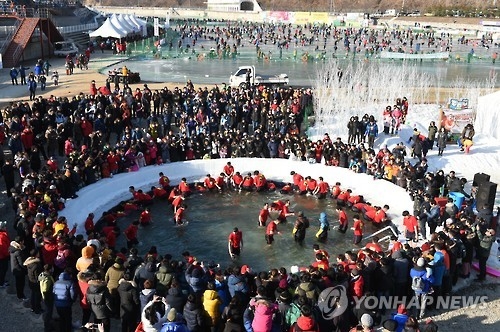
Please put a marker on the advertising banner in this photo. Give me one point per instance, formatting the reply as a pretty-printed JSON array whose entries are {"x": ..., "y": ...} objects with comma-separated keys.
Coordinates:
[{"x": 456, "y": 115}]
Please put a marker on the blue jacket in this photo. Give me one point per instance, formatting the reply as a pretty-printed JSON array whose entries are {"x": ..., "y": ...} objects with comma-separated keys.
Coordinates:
[
  {"x": 371, "y": 129},
  {"x": 64, "y": 291},
  {"x": 236, "y": 284},
  {"x": 422, "y": 273},
  {"x": 323, "y": 221},
  {"x": 174, "y": 327},
  {"x": 401, "y": 320},
  {"x": 438, "y": 268}
]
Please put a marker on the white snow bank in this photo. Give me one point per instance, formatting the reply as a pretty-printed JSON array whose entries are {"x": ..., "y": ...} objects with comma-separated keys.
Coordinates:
[{"x": 106, "y": 193}]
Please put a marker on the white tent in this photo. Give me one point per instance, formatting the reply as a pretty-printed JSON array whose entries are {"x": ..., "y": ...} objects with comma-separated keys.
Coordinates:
[
  {"x": 487, "y": 116},
  {"x": 130, "y": 20},
  {"x": 119, "y": 25},
  {"x": 124, "y": 22},
  {"x": 107, "y": 29}
]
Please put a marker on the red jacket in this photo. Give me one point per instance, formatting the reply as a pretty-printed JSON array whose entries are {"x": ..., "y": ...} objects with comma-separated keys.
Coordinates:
[
  {"x": 4, "y": 245},
  {"x": 305, "y": 324},
  {"x": 356, "y": 286}
]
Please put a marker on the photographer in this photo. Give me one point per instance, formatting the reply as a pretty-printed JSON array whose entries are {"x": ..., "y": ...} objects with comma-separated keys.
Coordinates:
[{"x": 483, "y": 250}]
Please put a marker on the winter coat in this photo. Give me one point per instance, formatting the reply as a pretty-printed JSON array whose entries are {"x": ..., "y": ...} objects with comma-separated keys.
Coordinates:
[
  {"x": 356, "y": 286},
  {"x": 426, "y": 277},
  {"x": 432, "y": 132},
  {"x": 309, "y": 290},
  {"x": 193, "y": 315},
  {"x": 164, "y": 278},
  {"x": 442, "y": 138},
  {"x": 174, "y": 327},
  {"x": 113, "y": 276},
  {"x": 485, "y": 243},
  {"x": 83, "y": 285},
  {"x": 99, "y": 299},
  {"x": 146, "y": 296},
  {"x": 129, "y": 298},
  {"x": 305, "y": 324},
  {"x": 263, "y": 311},
  {"x": 438, "y": 268},
  {"x": 196, "y": 280},
  {"x": 176, "y": 299},
  {"x": 146, "y": 324},
  {"x": 83, "y": 262},
  {"x": 64, "y": 291},
  {"x": 4, "y": 245},
  {"x": 34, "y": 268},
  {"x": 211, "y": 303},
  {"x": 17, "y": 258},
  {"x": 236, "y": 284},
  {"x": 401, "y": 268}
]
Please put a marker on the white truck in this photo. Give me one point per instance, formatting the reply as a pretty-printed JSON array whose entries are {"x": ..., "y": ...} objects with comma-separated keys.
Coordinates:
[{"x": 247, "y": 75}]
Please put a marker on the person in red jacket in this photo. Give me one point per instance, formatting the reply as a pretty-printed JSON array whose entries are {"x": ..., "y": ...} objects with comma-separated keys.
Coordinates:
[
  {"x": 259, "y": 181},
  {"x": 159, "y": 192},
  {"x": 235, "y": 243},
  {"x": 336, "y": 190},
  {"x": 89, "y": 223},
  {"x": 131, "y": 234},
  {"x": 356, "y": 284},
  {"x": 228, "y": 170},
  {"x": 271, "y": 229},
  {"x": 321, "y": 189},
  {"x": 210, "y": 184},
  {"x": 358, "y": 229},
  {"x": 410, "y": 224},
  {"x": 179, "y": 214},
  {"x": 297, "y": 179},
  {"x": 237, "y": 180},
  {"x": 164, "y": 181},
  {"x": 184, "y": 187},
  {"x": 4, "y": 252},
  {"x": 306, "y": 321},
  {"x": 263, "y": 215},
  {"x": 145, "y": 218},
  {"x": 311, "y": 185},
  {"x": 248, "y": 182},
  {"x": 343, "y": 221}
]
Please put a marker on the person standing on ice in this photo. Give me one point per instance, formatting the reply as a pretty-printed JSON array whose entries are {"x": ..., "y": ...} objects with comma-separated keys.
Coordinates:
[{"x": 371, "y": 131}]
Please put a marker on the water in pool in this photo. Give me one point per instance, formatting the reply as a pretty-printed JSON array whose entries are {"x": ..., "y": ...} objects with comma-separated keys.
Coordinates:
[{"x": 212, "y": 216}]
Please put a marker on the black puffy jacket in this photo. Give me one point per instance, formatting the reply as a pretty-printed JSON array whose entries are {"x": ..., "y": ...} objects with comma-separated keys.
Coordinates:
[{"x": 99, "y": 299}]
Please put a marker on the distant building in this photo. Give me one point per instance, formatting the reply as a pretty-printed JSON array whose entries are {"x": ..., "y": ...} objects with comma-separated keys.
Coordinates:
[{"x": 233, "y": 5}]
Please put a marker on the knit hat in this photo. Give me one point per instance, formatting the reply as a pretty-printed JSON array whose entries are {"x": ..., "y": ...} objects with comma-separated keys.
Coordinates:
[
  {"x": 172, "y": 315},
  {"x": 366, "y": 320},
  {"x": 421, "y": 262},
  {"x": 390, "y": 325}
]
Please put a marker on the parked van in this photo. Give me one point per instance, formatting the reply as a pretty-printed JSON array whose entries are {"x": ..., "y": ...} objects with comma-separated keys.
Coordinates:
[{"x": 62, "y": 49}]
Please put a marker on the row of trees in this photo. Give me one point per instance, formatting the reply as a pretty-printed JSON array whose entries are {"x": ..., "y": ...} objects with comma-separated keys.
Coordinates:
[{"x": 464, "y": 8}]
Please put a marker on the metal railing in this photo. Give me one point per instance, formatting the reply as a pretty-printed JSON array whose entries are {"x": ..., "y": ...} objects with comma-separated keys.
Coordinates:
[
  {"x": 78, "y": 28},
  {"x": 382, "y": 230},
  {"x": 9, "y": 37}
]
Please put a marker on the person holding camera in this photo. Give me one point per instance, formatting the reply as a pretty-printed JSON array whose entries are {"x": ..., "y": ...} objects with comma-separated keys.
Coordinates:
[{"x": 483, "y": 249}]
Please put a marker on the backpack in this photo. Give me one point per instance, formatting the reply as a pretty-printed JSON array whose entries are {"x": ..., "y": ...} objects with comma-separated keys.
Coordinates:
[
  {"x": 418, "y": 284},
  {"x": 292, "y": 314},
  {"x": 46, "y": 283}
]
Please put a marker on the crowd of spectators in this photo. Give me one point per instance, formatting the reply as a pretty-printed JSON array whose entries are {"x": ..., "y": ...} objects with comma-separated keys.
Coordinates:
[{"x": 59, "y": 145}]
